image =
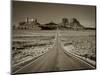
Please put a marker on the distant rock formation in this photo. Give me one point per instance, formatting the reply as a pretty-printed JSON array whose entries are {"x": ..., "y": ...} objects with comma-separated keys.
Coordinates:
[
  {"x": 75, "y": 24},
  {"x": 29, "y": 24},
  {"x": 49, "y": 26},
  {"x": 65, "y": 22},
  {"x": 72, "y": 25},
  {"x": 33, "y": 24}
]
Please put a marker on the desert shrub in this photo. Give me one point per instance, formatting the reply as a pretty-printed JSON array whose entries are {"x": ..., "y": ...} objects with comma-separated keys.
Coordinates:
[{"x": 83, "y": 45}]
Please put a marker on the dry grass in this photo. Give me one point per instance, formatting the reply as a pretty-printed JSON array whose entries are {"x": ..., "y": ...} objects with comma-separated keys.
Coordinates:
[
  {"x": 29, "y": 49},
  {"x": 83, "y": 45}
]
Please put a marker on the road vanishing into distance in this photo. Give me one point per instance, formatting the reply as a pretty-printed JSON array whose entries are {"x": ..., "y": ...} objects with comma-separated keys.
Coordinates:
[{"x": 55, "y": 60}]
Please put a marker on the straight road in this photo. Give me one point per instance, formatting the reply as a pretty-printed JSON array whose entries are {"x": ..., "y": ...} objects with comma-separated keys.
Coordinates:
[{"x": 54, "y": 60}]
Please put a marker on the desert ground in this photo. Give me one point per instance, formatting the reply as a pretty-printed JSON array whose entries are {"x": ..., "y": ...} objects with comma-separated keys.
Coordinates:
[{"x": 47, "y": 51}]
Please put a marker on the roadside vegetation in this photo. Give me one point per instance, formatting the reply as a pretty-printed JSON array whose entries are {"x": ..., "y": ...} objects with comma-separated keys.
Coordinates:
[
  {"x": 24, "y": 50},
  {"x": 84, "y": 46}
]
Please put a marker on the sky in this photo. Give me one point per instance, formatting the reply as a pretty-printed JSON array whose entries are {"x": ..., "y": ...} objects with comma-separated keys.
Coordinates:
[{"x": 47, "y": 12}]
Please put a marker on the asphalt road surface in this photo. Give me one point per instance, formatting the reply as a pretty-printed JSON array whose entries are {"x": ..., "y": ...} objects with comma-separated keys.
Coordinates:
[{"x": 54, "y": 60}]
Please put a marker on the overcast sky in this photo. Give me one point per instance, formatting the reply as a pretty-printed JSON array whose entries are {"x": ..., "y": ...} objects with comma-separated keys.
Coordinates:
[{"x": 46, "y": 12}]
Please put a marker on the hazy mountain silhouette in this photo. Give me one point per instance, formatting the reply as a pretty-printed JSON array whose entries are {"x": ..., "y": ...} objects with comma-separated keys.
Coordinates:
[{"x": 74, "y": 24}]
